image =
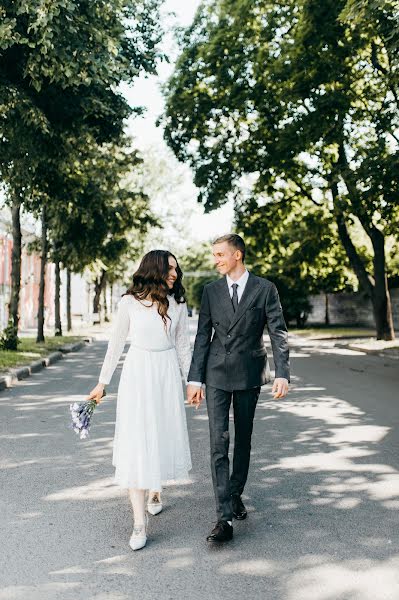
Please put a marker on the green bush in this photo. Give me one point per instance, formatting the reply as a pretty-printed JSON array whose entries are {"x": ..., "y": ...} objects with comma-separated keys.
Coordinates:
[{"x": 9, "y": 339}]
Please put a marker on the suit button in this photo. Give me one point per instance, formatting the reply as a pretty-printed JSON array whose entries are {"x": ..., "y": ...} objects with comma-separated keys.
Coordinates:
[
  {"x": 229, "y": 352},
  {"x": 229, "y": 336}
]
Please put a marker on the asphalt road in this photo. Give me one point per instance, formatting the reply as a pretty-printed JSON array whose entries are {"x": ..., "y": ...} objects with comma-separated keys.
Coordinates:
[{"x": 323, "y": 493}]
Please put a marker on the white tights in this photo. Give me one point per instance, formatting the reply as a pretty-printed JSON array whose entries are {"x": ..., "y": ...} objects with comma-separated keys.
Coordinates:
[{"x": 137, "y": 498}]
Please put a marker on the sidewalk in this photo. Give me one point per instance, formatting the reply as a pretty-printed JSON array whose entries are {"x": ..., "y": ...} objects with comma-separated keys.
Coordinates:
[
  {"x": 11, "y": 375},
  {"x": 366, "y": 344},
  {"x": 78, "y": 329},
  {"x": 373, "y": 346}
]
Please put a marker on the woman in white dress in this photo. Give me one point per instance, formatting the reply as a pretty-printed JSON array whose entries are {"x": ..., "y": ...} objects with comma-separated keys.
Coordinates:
[{"x": 151, "y": 443}]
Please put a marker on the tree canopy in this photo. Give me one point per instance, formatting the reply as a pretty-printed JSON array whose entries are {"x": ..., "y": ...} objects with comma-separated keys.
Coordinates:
[
  {"x": 63, "y": 152},
  {"x": 303, "y": 97}
]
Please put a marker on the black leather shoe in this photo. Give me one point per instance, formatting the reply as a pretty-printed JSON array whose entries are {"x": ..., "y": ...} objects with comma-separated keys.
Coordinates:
[
  {"x": 222, "y": 532},
  {"x": 239, "y": 510}
]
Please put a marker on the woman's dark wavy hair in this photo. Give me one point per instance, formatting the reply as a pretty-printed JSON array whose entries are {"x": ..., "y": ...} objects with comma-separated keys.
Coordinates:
[{"x": 149, "y": 281}]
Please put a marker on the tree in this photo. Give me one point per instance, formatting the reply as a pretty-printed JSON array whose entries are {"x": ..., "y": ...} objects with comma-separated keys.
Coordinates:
[
  {"x": 198, "y": 270},
  {"x": 296, "y": 245},
  {"x": 171, "y": 193},
  {"x": 96, "y": 214},
  {"x": 59, "y": 73},
  {"x": 305, "y": 100},
  {"x": 378, "y": 17}
]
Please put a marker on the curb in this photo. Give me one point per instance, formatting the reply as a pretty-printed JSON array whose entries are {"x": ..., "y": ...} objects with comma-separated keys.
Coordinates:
[
  {"x": 75, "y": 346},
  {"x": 15, "y": 375},
  {"x": 384, "y": 353}
]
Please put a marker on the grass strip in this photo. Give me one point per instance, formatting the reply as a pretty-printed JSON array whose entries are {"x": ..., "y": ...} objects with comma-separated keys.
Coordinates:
[{"x": 29, "y": 351}]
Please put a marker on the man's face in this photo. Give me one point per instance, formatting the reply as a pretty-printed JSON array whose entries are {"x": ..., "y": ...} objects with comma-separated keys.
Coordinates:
[{"x": 225, "y": 257}]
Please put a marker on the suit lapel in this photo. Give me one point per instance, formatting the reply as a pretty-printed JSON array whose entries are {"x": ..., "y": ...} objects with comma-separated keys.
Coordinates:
[
  {"x": 225, "y": 300},
  {"x": 251, "y": 289}
]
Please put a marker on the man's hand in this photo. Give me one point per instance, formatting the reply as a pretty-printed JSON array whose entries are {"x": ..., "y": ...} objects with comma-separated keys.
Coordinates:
[
  {"x": 280, "y": 387},
  {"x": 195, "y": 395}
]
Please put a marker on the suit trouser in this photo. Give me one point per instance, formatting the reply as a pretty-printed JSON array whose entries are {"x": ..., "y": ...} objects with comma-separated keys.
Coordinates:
[{"x": 244, "y": 404}]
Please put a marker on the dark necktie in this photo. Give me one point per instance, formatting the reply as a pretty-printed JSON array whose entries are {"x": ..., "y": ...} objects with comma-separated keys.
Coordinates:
[{"x": 234, "y": 299}]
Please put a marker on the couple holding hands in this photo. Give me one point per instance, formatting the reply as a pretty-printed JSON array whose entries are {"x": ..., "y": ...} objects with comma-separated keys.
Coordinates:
[{"x": 151, "y": 445}]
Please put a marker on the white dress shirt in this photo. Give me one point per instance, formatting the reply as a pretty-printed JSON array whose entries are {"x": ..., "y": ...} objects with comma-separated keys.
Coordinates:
[{"x": 241, "y": 282}]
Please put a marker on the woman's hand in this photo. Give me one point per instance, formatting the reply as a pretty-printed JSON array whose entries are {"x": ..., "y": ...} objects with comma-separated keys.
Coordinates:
[
  {"x": 97, "y": 393},
  {"x": 195, "y": 395}
]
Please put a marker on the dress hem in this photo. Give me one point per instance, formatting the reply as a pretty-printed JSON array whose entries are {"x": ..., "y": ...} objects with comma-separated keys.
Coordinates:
[{"x": 154, "y": 487}]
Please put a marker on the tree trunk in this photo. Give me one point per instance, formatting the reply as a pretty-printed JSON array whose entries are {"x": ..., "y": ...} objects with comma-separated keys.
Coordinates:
[
  {"x": 381, "y": 298},
  {"x": 15, "y": 262},
  {"x": 40, "y": 313},
  {"x": 105, "y": 302},
  {"x": 68, "y": 301},
  {"x": 327, "y": 310},
  {"x": 57, "y": 311},
  {"x": 98, "y": 286},
  {"x": 111, "y": 294},
  {"x": 377, "y": 286},
  {"x": 366, "y": 282}
]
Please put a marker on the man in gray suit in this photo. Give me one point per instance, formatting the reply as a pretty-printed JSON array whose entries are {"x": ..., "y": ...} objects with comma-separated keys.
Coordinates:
[{"x": 230, "y": 358}]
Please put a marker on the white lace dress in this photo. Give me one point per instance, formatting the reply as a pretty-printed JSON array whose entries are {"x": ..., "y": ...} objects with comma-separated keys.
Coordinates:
[{"x": 151, "y": 445}]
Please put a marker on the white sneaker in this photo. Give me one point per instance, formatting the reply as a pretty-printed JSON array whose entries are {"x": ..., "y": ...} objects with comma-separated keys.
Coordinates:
[
  {"x": 138, "y": 539},
  {"x": 154, "y": 505}
]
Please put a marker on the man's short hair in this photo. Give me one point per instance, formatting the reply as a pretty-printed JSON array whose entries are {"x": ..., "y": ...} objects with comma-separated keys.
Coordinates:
[{"x": 233, "y": 240}]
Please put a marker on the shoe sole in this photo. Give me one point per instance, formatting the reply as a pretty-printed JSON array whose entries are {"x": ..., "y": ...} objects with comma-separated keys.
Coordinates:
[{"x": 156, "y": 510}]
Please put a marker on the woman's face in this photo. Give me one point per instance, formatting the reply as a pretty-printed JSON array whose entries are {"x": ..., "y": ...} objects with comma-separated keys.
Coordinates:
[{"x": 172, "y": 275}]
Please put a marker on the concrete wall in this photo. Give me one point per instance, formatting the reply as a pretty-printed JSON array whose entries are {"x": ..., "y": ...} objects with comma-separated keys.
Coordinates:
[{"x": 349, "y": 309}]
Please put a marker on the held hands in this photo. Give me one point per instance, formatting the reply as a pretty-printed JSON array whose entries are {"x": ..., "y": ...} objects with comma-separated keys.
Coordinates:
[
  {"x": 195, "y": 395},
  {"x": 97, "y": 393},
  {"x": 280, "y": 387}
]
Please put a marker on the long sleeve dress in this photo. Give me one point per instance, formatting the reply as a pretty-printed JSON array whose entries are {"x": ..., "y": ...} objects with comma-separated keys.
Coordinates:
[{"x": 151, "y": 445}]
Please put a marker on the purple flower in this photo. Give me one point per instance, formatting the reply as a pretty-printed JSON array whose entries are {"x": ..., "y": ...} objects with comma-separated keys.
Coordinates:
[{"x": 81, "y": 413}]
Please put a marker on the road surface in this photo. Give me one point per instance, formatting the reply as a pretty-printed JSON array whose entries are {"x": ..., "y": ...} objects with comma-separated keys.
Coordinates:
[{"x": 322, "y": 496}]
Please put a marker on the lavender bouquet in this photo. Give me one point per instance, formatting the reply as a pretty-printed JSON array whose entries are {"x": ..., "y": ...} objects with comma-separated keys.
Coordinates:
[{"x": 82, "y": 413}]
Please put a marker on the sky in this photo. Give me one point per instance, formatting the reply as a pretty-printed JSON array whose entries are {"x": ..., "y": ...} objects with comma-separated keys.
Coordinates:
[{"x": 146, "y": 92}]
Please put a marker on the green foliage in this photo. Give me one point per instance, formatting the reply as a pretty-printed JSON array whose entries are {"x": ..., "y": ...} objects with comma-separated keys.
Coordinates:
[
  {"x": 377, "y": 17},
  {"x": 80, "y": 43},
  {"x": 297, "y": 101},
  {"x": 62, "y": 117},
  {"x": 297, "y": 247},
  {"x": 197, "y": 267},
  {"x": 275, "y": 95},
  {"x": 95, "y": 208},
  {"x": 196, "y": 289},
  {"x": 301, "y": 238},
  {"x": 294, "y": 297},
  {"x": 9, "y": 338},
  {"x": 60, "y": 66},
  {"x": 197, "y": 258}
]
